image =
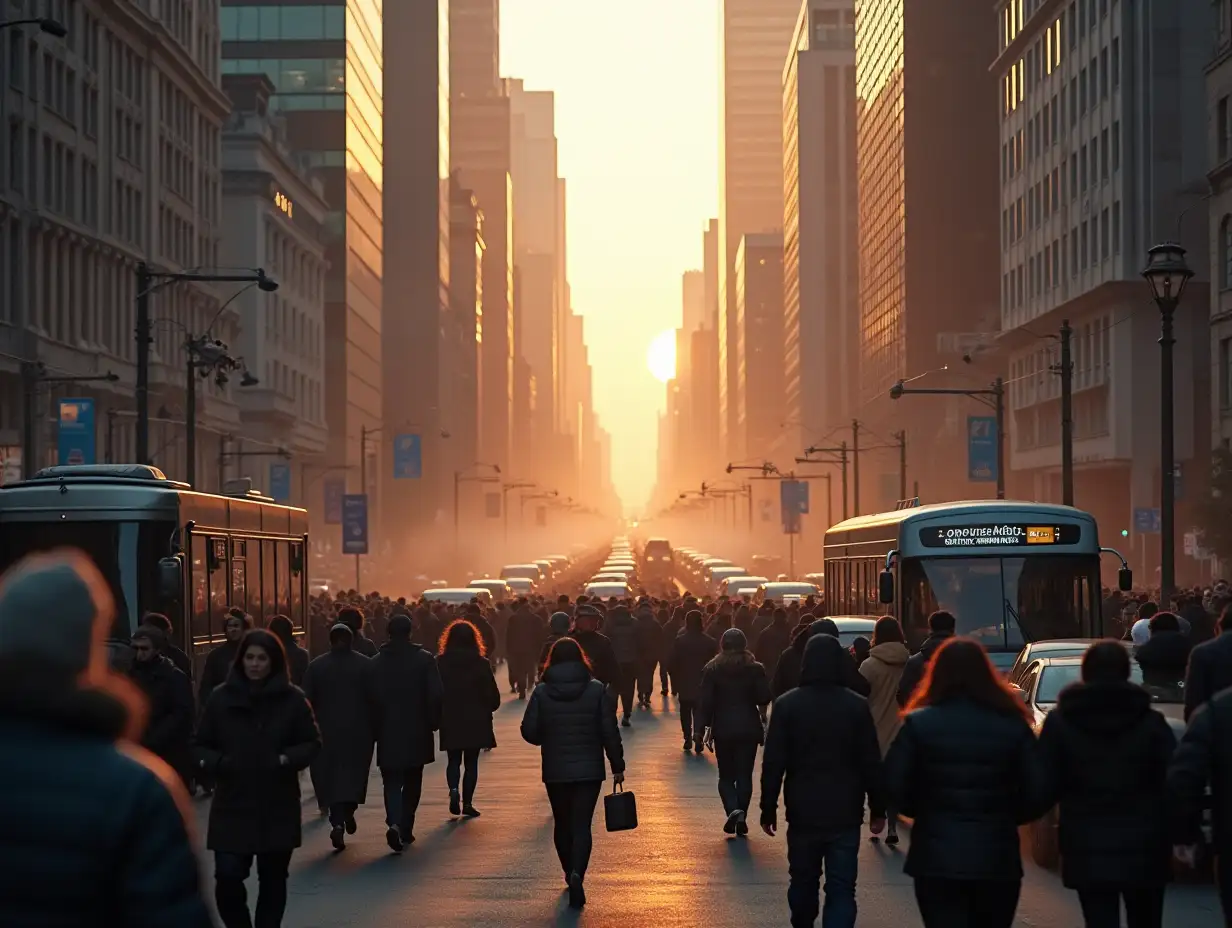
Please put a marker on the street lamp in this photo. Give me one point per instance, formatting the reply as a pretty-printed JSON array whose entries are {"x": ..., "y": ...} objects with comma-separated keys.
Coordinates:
[
  {"x": 206, "y": 357},
  {"x": 52, "y": 27},
  {"x": 1167, "y": 273}
]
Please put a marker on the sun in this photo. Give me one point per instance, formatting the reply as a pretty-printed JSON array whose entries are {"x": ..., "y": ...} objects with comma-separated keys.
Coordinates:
[{"x": 661, "y": 356}]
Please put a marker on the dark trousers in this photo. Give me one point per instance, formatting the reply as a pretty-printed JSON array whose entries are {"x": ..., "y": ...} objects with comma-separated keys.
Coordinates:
[
  {"x": 664, "y": 683},
  {"x": 736, "y": 760},
  {"x": 690, "y": 719},
  {"x": 625, "y": 685},
  {"x": 645, "y": 679},
  {"x": 1223, "y": 880},
  {"x": 809, "y": 855},
  {"x": 402, "y": 791},
  {"x": 339, "y": 812},
  {"x": 967, "y": 903},
  {"x": 453, "y": 772},
  {"x": 573, "y": 809},
  {"x": 1101, "y": 906},
  {"x": 231, "y": 898},
  {"x": 522, "y": 674}
]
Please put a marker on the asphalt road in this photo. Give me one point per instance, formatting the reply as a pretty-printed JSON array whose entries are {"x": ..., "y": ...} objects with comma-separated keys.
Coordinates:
[{"x": 676, "y": 870}]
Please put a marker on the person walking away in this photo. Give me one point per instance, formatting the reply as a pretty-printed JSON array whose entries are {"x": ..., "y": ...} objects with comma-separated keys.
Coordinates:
[
  {"x": 218, "y": 664},
  {"x": 339, "y": 684},
  {"x": 487, "y": 634},
  {"x": 883, "y": 670},
  {"x": 1165, "y": 657},
  {"x": 353, "y": 618},
  {"x": 622, "y": 631},
  {"x": 558, "y": 627},
  {"x": 1105, "y": 752},
  {"x": 941, "y": 626},
  {"x": 692, "y": 650},
  {"x": 1210, "y": 666},
  {"x": 256, "y": 734},
  {"x": 297, "y": 657},
  {"x": 525, "y": 639},
  {"x": 594, "y": 644},
  {"x": 789, "y": 664},
  {"x": 169, "y": 725},
  {"x": 671, "y": 629},
  {"x": 772, "y": 641},
  {"x": 734, "y": 694},
  {"x": 571, "y": 718},
  {"x": 170, "y": 651},
  {"x": 823, "y": 740},
  {"x": 469, "y": 697},
  {"x": 408, "y": 692},
  {"x": 859, "y": 650},
  {"x": 965, "y": 767},
  {"x": 97, "y": 830},
  {"x": 744, "y": 619},
  {"x": 649, "y": 647}
]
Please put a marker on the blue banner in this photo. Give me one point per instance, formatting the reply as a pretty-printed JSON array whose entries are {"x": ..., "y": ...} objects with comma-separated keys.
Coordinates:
[
  {"x": 793, "y": 503},
  {"x": 408, "y": 457},
  {"x": 982, "y": 449},
  {"x": 77, "y": 440},
  {"x": 355, "y": 523},
  {"x": 1146, "y": 521},
  {"x": 335, "y": 489},
  {"x": 280, "y": 482}
]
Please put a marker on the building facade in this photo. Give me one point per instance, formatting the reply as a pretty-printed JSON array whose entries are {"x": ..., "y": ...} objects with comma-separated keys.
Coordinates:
[
  {"x": 759, "y": 345},
  {"x": 474, "y": 48},
  {"x": 1219, "y": 149},
  {"x": 464, "y": 333},
  {"x": 710, "y": 274}
]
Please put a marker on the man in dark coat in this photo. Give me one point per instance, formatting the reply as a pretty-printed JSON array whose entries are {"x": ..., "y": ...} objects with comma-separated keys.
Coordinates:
[
  {"x": 474, "y": 615},
  {"x": 671, "y": 629},
  {"x": 941, "y": 626},
  {"x": 218, "y": 662},
  {"x": 621, "y": 630},
  {"x": 691, "y": 652},
  {"x": 181, "y": 660},
  {"x": 1165, "y": 656},
  {"x": 791, "y": 661},
  {"x": 558, "y": 628},
  {"x": 340, "y": 687},
  {"x": 525, "y": 641},
  {"x": 1210, "y": 666},
  {"x": 773, "y": 640},
  {"x": 169, "y": 727},
  {"x": 595, "y": 645},
  {"x": 408, "y": 693},
  {"x": 649, "y": 645},
  {"x": 823, "y": 740},
  {"x": 353, "y": 618},
  {"x": 297, "y": 657}
]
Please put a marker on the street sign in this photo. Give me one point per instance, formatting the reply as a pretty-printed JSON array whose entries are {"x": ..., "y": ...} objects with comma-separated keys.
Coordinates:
[
  {"x": 355, "y": 523},
  {"x": 76, "y": 443},
  {"x": 335, "y": 489},
  {"x": 982, "y": 449},
  {"x": 1146, "y": 521},
  {"x": 492, "y": 505},
  {"x": 793, "y": 502},
  {"x": 408, "y": 457},
  {"x": 280, "y": 482}
]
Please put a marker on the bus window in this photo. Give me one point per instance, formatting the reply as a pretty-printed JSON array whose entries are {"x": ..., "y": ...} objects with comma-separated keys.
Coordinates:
[
  {"x": 199, "y": 589},
  {"x": 285, "y": 580},
  {"x": 269, "y": 582},
  {"x": 218, "y": 586},
  {"x": 239, "y": 579},
  {"x": 297, "y": 587}
]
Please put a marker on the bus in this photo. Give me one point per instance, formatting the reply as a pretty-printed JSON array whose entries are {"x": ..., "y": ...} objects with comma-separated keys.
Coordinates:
[
  {"x": 163, "y": 547},
  {"x": 1010, "y": 572}
]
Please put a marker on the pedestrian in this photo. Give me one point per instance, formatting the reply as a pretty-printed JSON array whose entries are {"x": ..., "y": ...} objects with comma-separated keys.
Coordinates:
[
  {"x": 297, "y": 657},
  {"x": 96, "y": 830},
  {"x": 671, "y": 629},
  {"x": 340, "y": 686},
  {"x": 1165, "y": 656},
  {"x": 1105, "y": 753},
  {"x": 170, "y": 651},
  {"x": 787, "y": 673},
  {"x": 859, "y": 650},
  {"x": 353, "y": 618},
  {"x": 823, "y": 740},
  {"x": 735, "y": 692},
  {"x": 220, "y": 660},
  {"x": 649, "y": 646},
  {"x": 883, "y": 670},
  {"x": 964, "y": 766},
  {"x": 256, "y": 734},
  {"x": 621, "y": 629},
  {"x": 169, "y": 696},
  {"x": 1210, "y": 666},
  {"x": 558, "y": 627},
  {"x": 772, "y": 641},
  {"x": 487, "y": 634},
  {"x": 408, "y": 692},
  {"x": 594, "y": 644},
  {"x": 525, "y": 640},
  {"x": 571, "y": 717},
  {"x": 941, "y": 627},
  {"x": 692, "y": 650},
  {"x": 470, "y": 696}
]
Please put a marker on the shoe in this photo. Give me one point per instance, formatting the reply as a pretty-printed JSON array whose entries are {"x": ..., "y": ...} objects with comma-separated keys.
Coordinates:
[
  {"x": 469, "y": 811},
  {"x": 742, "y": 825},
  {"x": 698, "y": 747},
  {"x": 337, "y": 837},
  {"x": 892, "y": 839},
  {"x": 350, "y": 825},
  {"x": 393, "y": 839},
  {"x": 625, "y": 723},
  {"x": 688, "y": 745},
  {"x": 455, "y": 803},
  {"x": 577, "y": 895},
  {"x": 729, "y": 826},
  {"x": 522, "y": 696},
  {"x": 407, "y": 835}
]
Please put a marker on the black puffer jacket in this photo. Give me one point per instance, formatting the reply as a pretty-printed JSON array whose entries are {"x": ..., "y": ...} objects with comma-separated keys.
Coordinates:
[
  {"x": 969, "y": 776},
  {"x": 470, "y": 697},
  {"x": 770, "y": 644},
  {"x": 734, "y": 691},
  {"x": 788, "y": 667},
  {"x": 1164, "y": 658},
  {"x": 691, "y": 652},
  {"x": 1204, "y": 759},
  {"x": 169, "y": 728},
  {"x": 1105, "y": 755},
  {"x": 572, "y": 719},
  {"x": 913, "y": 671},
  {"x": 621, "y": 630}
]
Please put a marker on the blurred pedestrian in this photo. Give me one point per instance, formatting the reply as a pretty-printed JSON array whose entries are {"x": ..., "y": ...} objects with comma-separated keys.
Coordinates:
[
  {"x": 594, "y": 644},
  {"x": 621, "y": 629},
  {"x": 649, "y": 645},
  {"x": 170, "y": 650},
  {"x": 941, "y": 627},
  {"x": 169, "y": 697},
  {"x": 558, "y": 627},
  {"x": 692, "y": 650},
  {"x": 773, "y": 639},
  {"x": 883, "y": 670},
  {"x": 218, "y": 664},
  {"x": 672, "y": 627},
  {"x": 1210, "y": 666},
  {"x": 297, "y": 657},
  {"x": 353, "y": 618},
  {"x": 525, "y": 640},
  {"x": 469, "y": 697},
  {"x": 1165, "y": 656}
]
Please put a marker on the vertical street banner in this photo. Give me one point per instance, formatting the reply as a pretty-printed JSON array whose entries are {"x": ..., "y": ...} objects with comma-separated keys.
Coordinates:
[
  {"x": 335, "y": 489},
  {"x": 408, "y": 457},
  {"x": 492, "y": 505},
  {"x": 76, "y": 443},
  {"x": 982, "y": 449},
  {"x": 355, "y": 523},
  {"x": 280, "y": 482},
  {"x": 793, "y": 503}
]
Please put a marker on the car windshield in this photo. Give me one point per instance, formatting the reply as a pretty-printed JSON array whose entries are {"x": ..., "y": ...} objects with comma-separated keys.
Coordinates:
[{"x": 1056, "y": 677}]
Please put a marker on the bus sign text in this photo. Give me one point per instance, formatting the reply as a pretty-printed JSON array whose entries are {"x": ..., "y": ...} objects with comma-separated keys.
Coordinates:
[{"x": 998, "y": 535}]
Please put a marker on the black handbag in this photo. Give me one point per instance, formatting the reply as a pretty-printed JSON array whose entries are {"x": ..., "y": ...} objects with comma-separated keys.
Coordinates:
[{"x": 620, "y": 810}]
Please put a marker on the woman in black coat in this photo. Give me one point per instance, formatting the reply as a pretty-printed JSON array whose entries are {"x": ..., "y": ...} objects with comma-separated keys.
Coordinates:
[
  {"x": 470, "y": 697},
  {"x": 965, "y": 767},
  {"x": 297, "y": 657},
  {"x": 571, "y": 717},
  {"x": 1105, "y": 753},
  {"x": 256, "y": 734},
  {"x": 735, "y": 693}
]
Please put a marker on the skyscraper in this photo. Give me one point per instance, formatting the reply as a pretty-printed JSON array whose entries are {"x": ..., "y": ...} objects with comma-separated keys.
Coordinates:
[
  {"x": 710, "y": 271},
  {"x": 474, "y": 47},
  {"x": 759, "y": 347},
  {"x": 693, "y": 287}
]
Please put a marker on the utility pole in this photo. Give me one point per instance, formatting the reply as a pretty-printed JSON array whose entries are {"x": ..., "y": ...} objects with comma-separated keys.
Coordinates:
[
  {"x": 901, "y": 437},
  {"x": 1067, "y": 415},
  {"x": 998, "y": 392},
  {"x": 145, "y": 282},
  {"x": 855, "y": 465}
]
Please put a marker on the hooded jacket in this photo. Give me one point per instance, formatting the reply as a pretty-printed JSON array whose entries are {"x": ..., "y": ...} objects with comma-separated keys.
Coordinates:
[
  {"x": 339, "y": 685},
  {"x": 883, "y": 670},
  {"x": 822, "y": 739},
  {"x": 1164, "y": 658},
  {"x": 913, "y": 671},
  {"x": 691, "y": 651},
  {"x": 787, "y": 672},
  {"x": 734, "y": 691},
  {"x": 1105, "y": 755},
  {"x": 571, "y": 717}
]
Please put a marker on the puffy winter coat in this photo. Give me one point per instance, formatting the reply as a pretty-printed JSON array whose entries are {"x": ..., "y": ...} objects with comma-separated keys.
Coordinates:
[
  {"x": 734, "y": 691},
  {"x": 572, "y": 719},
  {"x": 883, "y": 670},
  {"x": 691, "y": 652},
  {"x": 407, "y": 688},
  {"x": 621, "y": 630},
  {"x": 470, "y": 697}
]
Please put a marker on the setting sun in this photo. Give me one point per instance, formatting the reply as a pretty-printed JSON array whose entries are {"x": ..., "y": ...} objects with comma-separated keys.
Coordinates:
[{"x": 661, "y": 356}]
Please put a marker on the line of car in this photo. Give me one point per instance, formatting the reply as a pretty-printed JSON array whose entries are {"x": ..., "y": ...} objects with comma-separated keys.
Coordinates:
[{"x": 715, "y": 576}]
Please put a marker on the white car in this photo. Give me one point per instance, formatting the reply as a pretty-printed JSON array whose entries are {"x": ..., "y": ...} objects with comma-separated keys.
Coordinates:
[
  {"x": 521, "y": 586},
  {"x": 607, "y": 589},
  {"x": 498, "y": 588},
  {"x": 457, "y": 596},
  {"x": 522, "y": 571}
]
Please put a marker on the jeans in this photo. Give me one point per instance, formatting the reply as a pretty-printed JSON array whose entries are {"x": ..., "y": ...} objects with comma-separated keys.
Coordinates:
[
  {"x": 231, "y": 898},
  {"x": 339, "y": 812},
  {"x": 811, "y": 854},
  {"x": 967, "y": 903},
  {"x": 573, "y": 809},
  {"x": 626, "y": 684},
  {"x": 689, "y": 719},
  {"x": 736, "y": 760},
  {"x": 1101, "y": 906},
  {"x": 453, "y": 771},
  {"x": 402, "y": 791},
  {"x": 645, "y": 679}
]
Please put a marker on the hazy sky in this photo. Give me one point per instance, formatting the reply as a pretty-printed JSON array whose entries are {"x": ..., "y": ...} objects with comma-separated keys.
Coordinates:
[{"x": 637, "y": 123}]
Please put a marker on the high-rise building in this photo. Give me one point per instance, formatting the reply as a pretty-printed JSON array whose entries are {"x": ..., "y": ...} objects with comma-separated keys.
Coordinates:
[
  {"x": 821, "y": 307},
  {"x": 710, "y": 272},
  {"x": 693, "y": 287},
  {"x": 927, "y": 161},
  {"x": 1219, "y": 149},
  {"x": 759, "y": 345},
  {"x": 474, "y": 48},
  {"x": 464, "y": 375},
  {"x": 753, "y": 43}
]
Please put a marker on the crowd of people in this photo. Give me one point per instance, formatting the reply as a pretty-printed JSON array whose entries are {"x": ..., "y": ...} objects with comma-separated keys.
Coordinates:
[{"x": 936, "y": 736}]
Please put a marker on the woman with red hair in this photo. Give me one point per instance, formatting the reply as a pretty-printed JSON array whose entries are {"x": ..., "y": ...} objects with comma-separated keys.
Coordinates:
[{"x": 470, "y": 697}]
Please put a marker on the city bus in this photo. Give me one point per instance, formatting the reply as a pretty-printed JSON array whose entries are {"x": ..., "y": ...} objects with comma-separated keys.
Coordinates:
[
  {"x": 1010, "y": 572},
  {"x": 163, "y": 547}
]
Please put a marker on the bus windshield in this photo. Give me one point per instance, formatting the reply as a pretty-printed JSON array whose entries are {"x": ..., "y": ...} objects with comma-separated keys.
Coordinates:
[{"x": 1002, "y": 602}]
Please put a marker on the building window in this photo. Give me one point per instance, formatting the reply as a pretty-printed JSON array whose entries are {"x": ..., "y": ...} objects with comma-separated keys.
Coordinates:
[
  {"x": 1221, "y": 129},
  {"x": 1225, "y": 373},
  {"x": 1116, "y": 63},
  {"x": 1225, "y": 244}
]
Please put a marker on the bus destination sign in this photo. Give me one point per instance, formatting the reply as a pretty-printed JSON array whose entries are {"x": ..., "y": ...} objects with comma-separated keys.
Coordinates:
[{"x": 1005, "y": 534}]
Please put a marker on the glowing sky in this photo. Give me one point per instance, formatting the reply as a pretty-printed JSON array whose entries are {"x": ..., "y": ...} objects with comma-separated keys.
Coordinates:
[{"x": 636, "y": 88}]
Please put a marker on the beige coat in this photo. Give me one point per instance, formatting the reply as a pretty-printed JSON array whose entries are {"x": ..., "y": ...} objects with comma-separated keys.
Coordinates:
[{"x": 882, "y": 670}]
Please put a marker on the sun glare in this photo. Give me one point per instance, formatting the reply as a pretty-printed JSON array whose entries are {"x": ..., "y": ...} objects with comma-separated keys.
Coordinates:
[{"x": 661, "y": 356}]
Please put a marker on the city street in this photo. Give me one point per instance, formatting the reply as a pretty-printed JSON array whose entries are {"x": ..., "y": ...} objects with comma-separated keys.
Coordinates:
[{"x": 677, "y": 869}]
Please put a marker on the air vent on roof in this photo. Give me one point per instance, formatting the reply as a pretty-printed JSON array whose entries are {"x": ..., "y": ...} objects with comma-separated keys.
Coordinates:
[{"x": 124, "y": 471}]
